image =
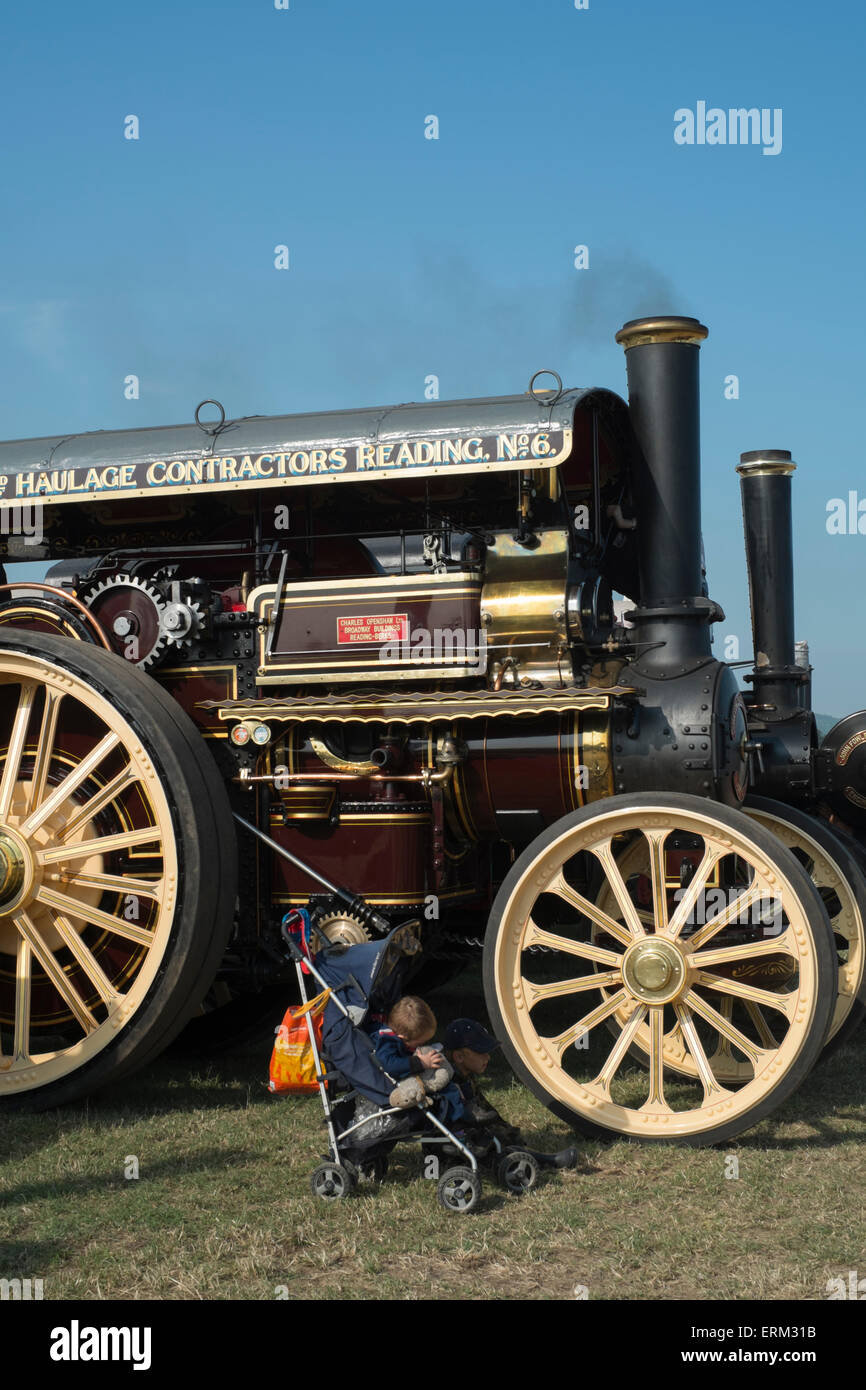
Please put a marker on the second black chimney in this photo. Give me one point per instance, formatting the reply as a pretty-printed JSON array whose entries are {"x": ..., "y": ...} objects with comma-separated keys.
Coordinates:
[{"x": 780, "y": 682}]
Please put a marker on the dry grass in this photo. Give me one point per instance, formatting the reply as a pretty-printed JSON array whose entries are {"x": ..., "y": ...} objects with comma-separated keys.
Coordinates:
[{"x": 222, "y": 1207}]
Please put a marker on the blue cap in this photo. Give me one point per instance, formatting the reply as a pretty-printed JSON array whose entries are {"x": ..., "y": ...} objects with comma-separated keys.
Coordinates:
[{"x": 465, "y": 1032}]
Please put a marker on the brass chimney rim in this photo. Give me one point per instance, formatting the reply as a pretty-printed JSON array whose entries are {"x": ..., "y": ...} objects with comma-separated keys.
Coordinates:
[
  {"x": 761, "y": 463},
  {"x": 666, "y": 328}
]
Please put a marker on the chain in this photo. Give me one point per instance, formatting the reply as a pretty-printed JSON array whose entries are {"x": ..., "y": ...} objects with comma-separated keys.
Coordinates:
[{"x": 473, "y": 943}]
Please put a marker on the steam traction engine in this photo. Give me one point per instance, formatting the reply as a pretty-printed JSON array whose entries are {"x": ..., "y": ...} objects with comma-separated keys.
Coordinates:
[{"x": 371, "y": 663}]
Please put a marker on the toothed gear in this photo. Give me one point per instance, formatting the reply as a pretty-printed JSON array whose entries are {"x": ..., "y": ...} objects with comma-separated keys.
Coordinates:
[
  {"x": 344, "y": 927},
  {"x": 139, "y": 618},
  {"x": 181, "y": 622}
]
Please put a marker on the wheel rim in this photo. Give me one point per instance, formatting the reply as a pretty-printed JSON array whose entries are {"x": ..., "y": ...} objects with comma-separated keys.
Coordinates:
[
  {"x": 88, "y": 873},
  {"x": 518, "y": 1171},
  {"x": 653, "y": 964},
  {"x": 329, "y": 1183},
  {"x": 458, "y": 1192}
]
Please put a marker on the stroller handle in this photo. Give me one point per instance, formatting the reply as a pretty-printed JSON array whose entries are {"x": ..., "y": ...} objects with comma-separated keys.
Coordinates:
[{"x": 353, "y": 902}]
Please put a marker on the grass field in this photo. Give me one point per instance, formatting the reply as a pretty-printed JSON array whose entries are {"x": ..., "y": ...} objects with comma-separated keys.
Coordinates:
[{"x": 221, "y": 1207}]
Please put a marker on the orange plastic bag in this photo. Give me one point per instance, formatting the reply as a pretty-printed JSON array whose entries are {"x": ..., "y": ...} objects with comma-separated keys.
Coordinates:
[{"x": 293, "y": 1065}]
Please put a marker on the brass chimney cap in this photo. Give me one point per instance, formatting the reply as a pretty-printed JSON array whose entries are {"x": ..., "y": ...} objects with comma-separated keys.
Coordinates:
[
  {"x": 760, "y": 463},
  {"x": 662, "y": 329}
]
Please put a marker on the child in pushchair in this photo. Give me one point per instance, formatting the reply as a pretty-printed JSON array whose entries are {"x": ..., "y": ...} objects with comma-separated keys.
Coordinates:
[{"x": 364, "y": 983}]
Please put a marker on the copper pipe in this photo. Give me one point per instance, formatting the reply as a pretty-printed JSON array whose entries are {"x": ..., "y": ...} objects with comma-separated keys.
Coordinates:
[{"x": 67, "y": 598}]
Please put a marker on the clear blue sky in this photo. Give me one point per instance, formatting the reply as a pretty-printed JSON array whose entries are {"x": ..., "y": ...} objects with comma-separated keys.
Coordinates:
[{"x": 411, "y": 256}]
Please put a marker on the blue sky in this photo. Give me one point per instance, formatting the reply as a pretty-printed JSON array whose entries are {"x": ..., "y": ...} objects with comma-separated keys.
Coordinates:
[{"x": 410, "y": 256}]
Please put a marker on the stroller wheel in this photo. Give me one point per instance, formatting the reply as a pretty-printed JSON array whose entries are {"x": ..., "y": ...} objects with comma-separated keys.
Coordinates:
[
  {"x": 518, "y": 1171},
  {"x": 459, "y": 1189},
  {"x": 372, "y": 1170},
  {"x": 331, "y": 1182}
]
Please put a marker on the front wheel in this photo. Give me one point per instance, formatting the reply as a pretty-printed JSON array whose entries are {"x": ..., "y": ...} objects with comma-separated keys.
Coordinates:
[
  {"x": 459, "y": 1190},
  {"x": 560, "y": 969}
]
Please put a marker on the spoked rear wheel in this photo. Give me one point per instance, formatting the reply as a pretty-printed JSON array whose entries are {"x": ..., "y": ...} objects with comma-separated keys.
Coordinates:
[
  {"x": 118, "y": 873},
  {"x": 833, "y": 867},
  {"x": 835, "y": 871},
  {"x": 559, "y": 968}
]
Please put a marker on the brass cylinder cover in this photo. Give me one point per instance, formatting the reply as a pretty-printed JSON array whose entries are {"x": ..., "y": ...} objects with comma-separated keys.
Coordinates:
[{"x": 524, "y": 609}]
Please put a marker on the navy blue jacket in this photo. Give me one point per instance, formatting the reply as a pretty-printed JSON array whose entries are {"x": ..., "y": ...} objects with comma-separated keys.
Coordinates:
[{"x": 395, "y": 1056}]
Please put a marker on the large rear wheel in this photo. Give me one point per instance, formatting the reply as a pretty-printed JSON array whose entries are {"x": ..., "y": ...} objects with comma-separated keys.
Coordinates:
[
  {"x": 118, "y": 869},
  {"x": 560, "y": 969},
  {"x": 834, "y": 869}
]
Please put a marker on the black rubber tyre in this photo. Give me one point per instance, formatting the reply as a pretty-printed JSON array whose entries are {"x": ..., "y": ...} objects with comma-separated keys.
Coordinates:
[
  {"x": 459, "y": 1190},
  {"x": 332, "y": 1182},
  {"x": 587, "y": 1103},
  {"x": 518, "y": 1171},
  {"x": 850, "y": 861},
  {"x": 202, "y": 838}
]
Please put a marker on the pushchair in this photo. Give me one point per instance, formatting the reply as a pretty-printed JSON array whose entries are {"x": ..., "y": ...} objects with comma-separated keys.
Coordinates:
[{"x": 363, "y": 1127}]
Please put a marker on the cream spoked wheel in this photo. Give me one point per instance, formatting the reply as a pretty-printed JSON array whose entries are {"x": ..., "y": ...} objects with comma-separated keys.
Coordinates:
[
  {"x": 559, "y": 968},
  {"x": 841, "y": 884},
  {"x": 117, "y": 868},
  {"x": 832, "y": 864}
]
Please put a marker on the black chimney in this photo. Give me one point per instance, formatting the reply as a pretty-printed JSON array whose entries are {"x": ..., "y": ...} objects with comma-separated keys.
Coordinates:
[
  {"x": 673, "y": 616},
  {"x": 765, "y": 483}
]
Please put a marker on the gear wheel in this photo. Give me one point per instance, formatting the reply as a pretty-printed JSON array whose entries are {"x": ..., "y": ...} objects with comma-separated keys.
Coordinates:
[
  {"x": 181, "y": 622},
  {"x": 131, "y": 614},
  {"x": 344, "y": 927}
]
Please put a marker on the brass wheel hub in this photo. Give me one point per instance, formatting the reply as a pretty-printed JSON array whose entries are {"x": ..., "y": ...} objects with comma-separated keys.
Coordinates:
[
  {"x": 654, "y": 971},
  {"x": 16, "y": 868}
]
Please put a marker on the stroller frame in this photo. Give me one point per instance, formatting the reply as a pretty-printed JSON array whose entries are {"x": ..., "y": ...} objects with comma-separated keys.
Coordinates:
[{"x": 463, "y": 1193}]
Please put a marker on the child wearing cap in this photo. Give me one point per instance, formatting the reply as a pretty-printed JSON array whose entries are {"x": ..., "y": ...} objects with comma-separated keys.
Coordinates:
[{"x": 468, "y": 1047}]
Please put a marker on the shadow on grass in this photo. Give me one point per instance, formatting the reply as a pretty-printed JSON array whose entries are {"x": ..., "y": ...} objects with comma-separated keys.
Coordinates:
[
  {"x": 832, "y": 1096},
  {"x": 82, "y": 1185},
  {"x": 163, "y": 1089},
  {"x": 21, "y": 1259}
]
